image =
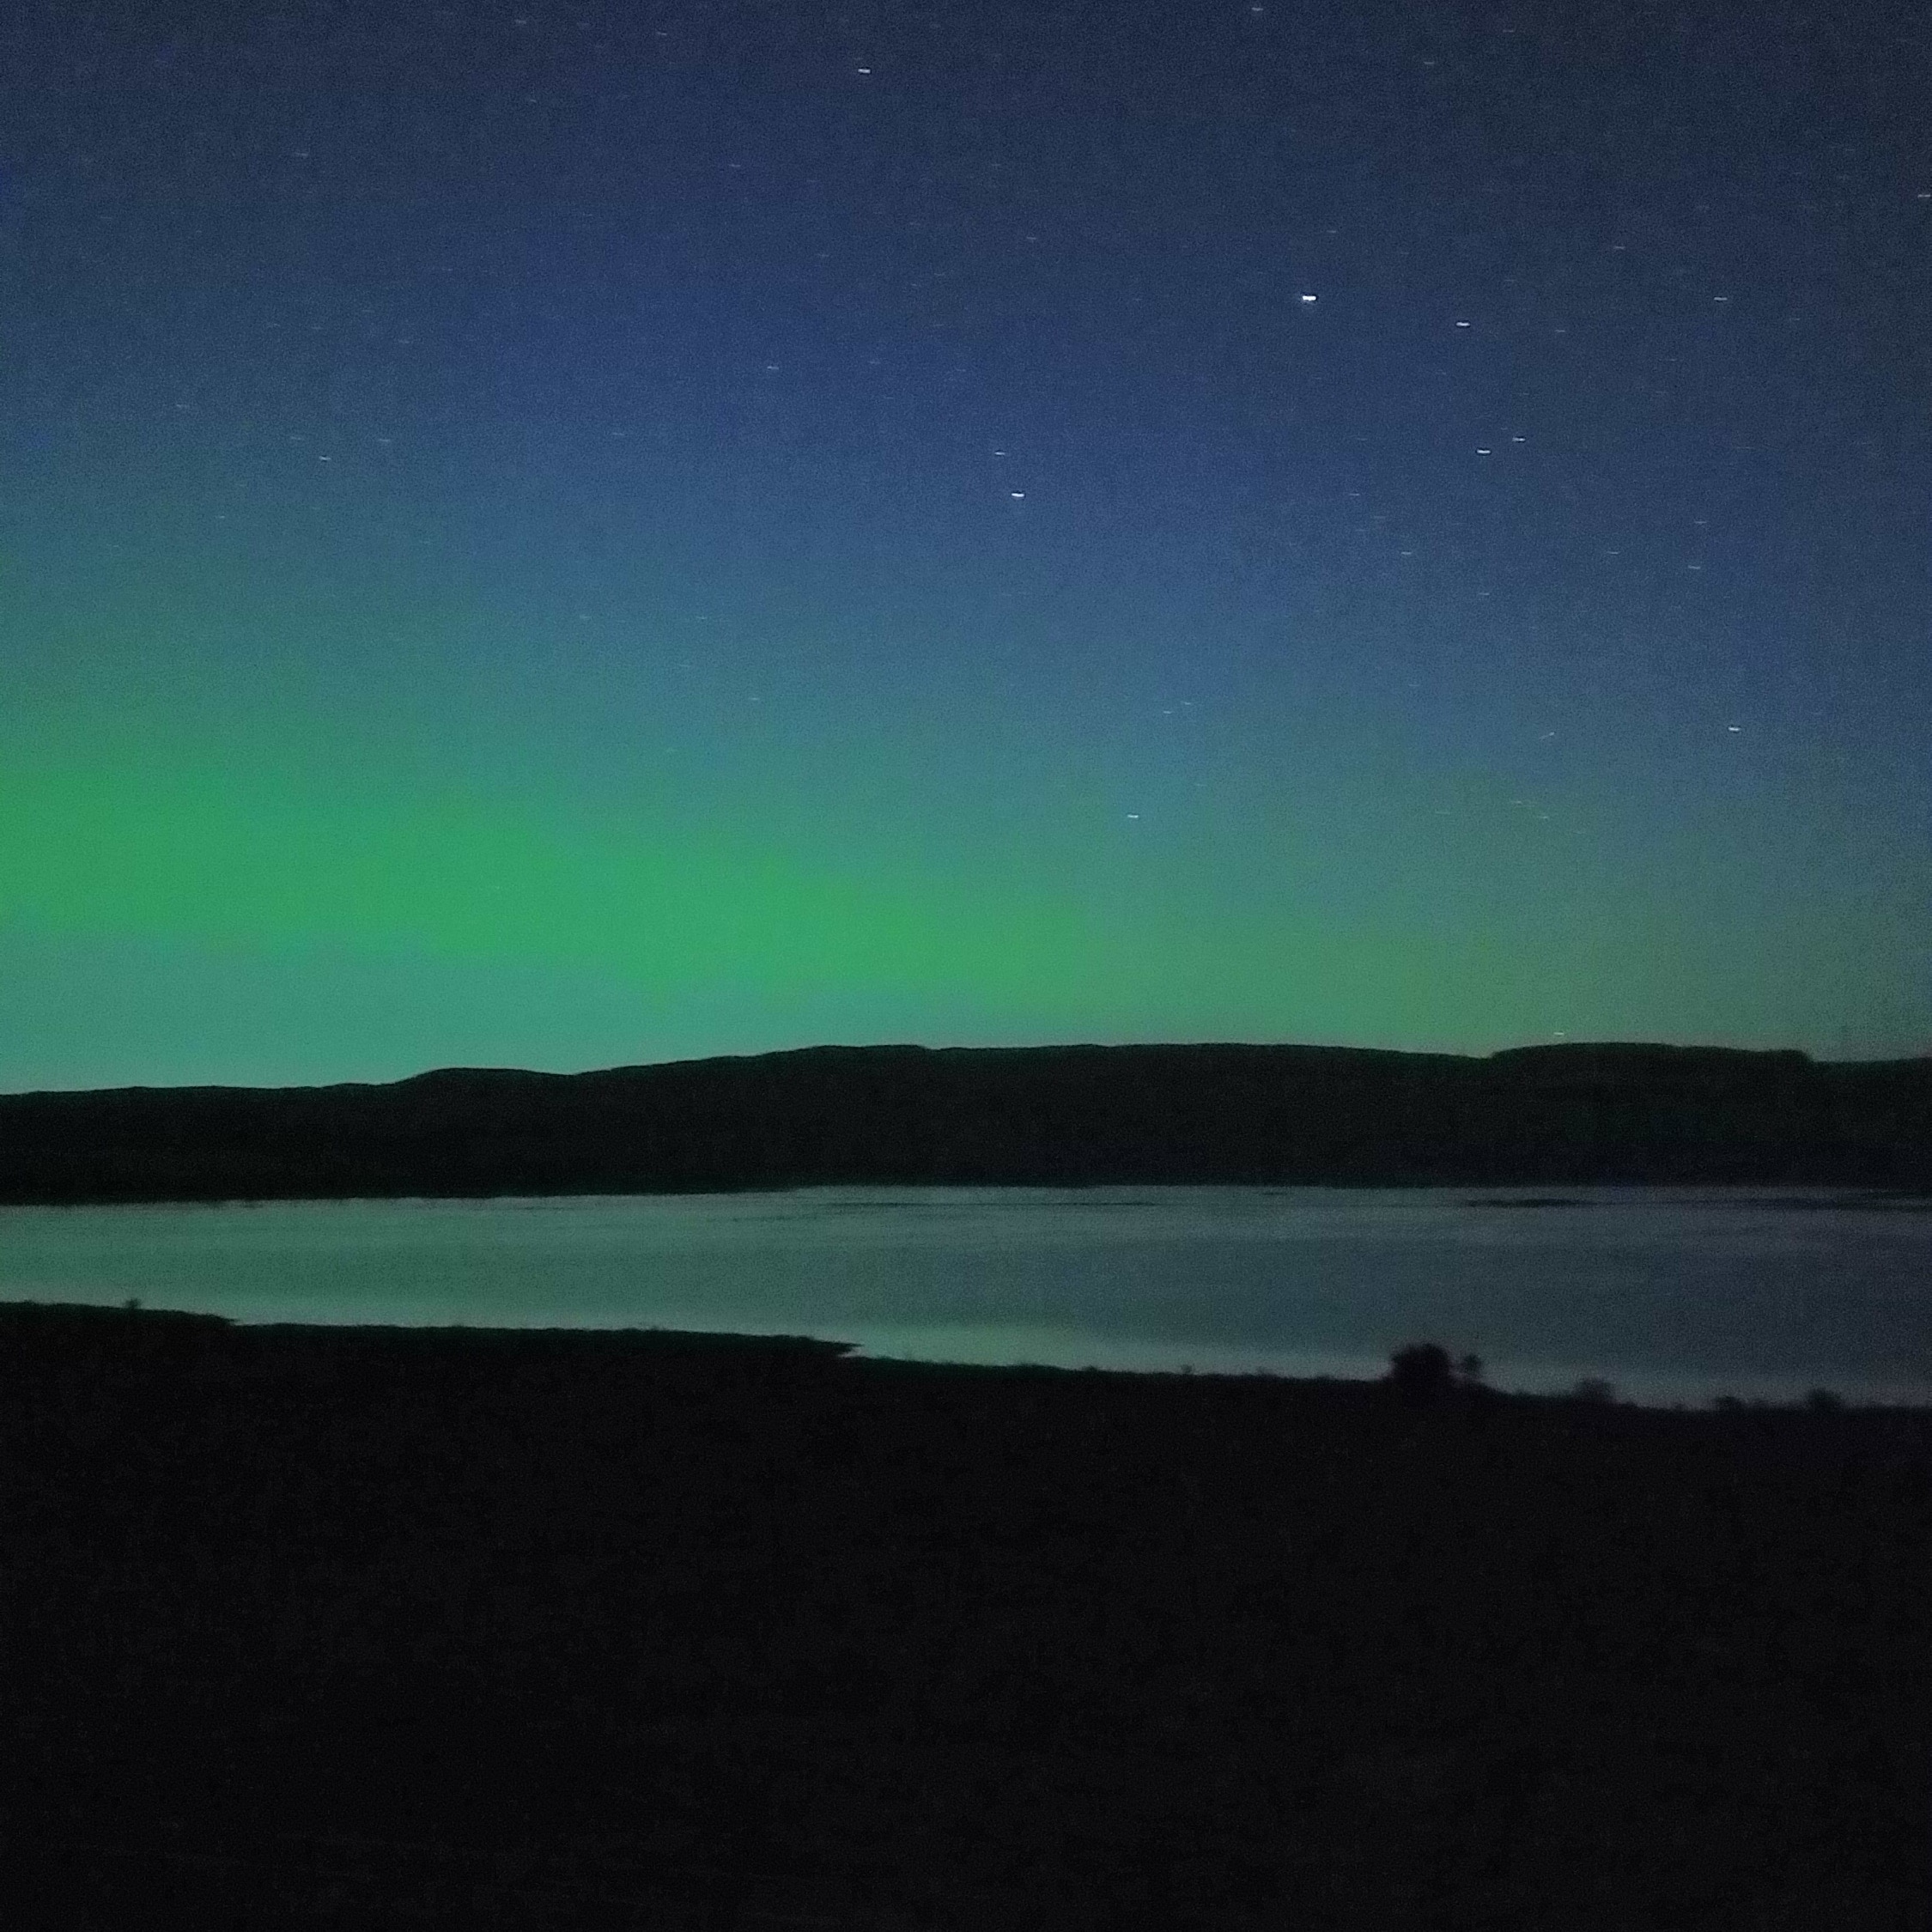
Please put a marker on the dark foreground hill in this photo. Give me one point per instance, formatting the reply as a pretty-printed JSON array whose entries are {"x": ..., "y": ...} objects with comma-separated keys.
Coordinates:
[
  {"x": 342, "y": 1628},
  {"x": 1059, "y": 1115}
]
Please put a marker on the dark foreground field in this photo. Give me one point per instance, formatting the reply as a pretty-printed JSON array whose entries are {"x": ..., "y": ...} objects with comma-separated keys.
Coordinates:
[{"x": 325, "y": 1627}]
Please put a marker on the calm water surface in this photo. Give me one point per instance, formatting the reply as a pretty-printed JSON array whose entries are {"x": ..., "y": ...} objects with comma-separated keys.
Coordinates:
[{"x": 1674, "y": 1294}]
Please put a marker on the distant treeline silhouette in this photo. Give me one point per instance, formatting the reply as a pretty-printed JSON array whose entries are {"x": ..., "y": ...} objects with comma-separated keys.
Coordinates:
[{"x": 1048, "y": 1115}]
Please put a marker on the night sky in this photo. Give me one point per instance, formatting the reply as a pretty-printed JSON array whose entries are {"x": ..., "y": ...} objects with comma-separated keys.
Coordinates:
[{"x": 570, "y": 534}]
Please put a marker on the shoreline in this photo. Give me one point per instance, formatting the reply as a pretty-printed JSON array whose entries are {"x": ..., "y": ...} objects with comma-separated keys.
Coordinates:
[
  {"x": 685, "y": 1630},
  {"x": 1651, "y": 1394}
]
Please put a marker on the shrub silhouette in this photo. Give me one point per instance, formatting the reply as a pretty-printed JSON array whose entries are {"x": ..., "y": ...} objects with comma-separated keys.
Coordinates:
[
  {"x": 1593, "y": 1389},
  {"x": 1421, "y": 1375}
]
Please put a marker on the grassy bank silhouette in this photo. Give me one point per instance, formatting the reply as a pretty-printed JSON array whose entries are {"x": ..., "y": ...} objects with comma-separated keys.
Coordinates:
[{"x": 330, "y": 1626}]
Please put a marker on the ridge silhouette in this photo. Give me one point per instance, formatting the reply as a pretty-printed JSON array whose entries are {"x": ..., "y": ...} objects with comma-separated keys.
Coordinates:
[{"x": 1061, "y": 1115}]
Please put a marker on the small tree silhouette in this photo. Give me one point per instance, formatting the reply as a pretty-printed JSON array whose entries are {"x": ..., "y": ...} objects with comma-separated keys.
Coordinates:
[{"x": 1421, "y": 1373}]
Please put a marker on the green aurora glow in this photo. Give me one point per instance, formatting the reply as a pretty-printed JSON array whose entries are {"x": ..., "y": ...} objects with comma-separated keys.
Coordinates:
[
  {"x": 604, "y": 591},
  {"x": 236, "y": 845}
]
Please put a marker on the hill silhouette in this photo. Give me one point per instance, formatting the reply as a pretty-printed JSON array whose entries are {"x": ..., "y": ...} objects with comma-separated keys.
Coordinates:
[{"x": 1041, "y": 1116}]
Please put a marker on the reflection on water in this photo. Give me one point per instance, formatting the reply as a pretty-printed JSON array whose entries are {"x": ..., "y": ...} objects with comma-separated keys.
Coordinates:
[{"x": 1675, "y": 1294}]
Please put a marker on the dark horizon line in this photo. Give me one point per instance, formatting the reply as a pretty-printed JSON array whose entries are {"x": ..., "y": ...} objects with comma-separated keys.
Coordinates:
[
  {"x": 1661, "y": 1050},
  {"x": 1555, "y": 1113}
]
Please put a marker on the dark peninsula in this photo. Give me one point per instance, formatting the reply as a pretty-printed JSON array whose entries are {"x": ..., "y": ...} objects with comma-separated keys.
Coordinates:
[
  {"x": 456, "y": 1628},
  {"x": 1555, "y": 1115}
]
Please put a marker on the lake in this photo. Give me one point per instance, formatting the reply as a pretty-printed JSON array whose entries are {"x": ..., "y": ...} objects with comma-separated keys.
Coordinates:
[{"x": 1672, "y": 1294}]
